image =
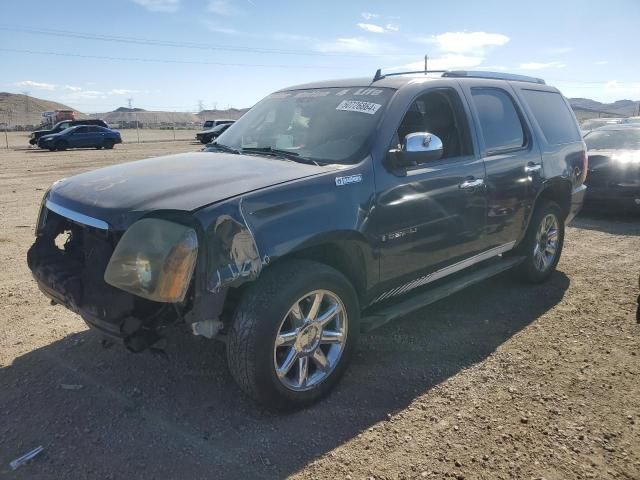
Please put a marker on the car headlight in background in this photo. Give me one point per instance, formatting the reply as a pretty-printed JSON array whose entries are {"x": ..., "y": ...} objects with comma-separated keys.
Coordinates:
[
  {"x": 154, "y": 259},
  {"x": 627, "y": 157}
]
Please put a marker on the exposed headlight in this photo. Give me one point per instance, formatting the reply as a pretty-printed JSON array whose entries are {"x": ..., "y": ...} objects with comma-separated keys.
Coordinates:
[{"x": 154, "y": 259}]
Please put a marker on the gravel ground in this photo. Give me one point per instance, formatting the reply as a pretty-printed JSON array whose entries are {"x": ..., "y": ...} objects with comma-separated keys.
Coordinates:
[{"x": 502, "y": 380}]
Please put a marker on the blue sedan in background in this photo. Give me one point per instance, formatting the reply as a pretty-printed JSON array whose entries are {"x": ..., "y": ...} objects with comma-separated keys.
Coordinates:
[{"x": 81, "y": 136}]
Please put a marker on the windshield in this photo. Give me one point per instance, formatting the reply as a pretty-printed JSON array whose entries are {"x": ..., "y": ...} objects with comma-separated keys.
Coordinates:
[
  {"x": 613, "y": 139},
  {"x": 328, "y": 125}
]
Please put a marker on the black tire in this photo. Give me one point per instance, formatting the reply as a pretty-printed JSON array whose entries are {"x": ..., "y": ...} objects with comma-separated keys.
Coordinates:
[
  {"x": 52, "y": 149},
  {"x": 108, "y": 144},
  {"x": 61, "y": 145},
  {"x": 98, "y": 147},
  {"x": 258, "y": 319},
  {"x": 531, "y": 269}
]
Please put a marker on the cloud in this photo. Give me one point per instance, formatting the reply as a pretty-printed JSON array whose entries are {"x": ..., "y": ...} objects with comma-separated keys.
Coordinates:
[
  {"x": 369, "y": 15},
  {"x": 370, "y": 27},
  {"x": 71, "y": 88},
  {"x": 121, "y": 91},
  {"x": 352, "y": 45},
  {"x": 559, "y": 50},
  {"x": 601, "y": 62},
  {"x": 373, "y": 28},
  {"x": 622, "y": 88},
  {"x": 165, "y": 6},
  {"x": 541, "y": 66},
  {"x": 38, "y": 85},
  {"x": 222, "y": 7},
  {"x": 469, "y": 42},
  {"x": 216, "y": 28}
]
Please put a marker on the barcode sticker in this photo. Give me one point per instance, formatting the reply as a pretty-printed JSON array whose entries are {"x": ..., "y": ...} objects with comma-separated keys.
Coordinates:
[{"x": 358, "y": 106}]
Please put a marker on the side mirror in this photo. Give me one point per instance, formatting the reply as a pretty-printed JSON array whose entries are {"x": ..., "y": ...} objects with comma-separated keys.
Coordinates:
[{"x": 418, "y": 147}]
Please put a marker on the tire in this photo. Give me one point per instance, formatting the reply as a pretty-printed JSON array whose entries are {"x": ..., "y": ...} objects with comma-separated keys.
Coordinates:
[
  {"x": 52, "y": 149},
  {"x": 546, "y": 228},
  {"x": 267, "y": 309},
  {"x": 98, "y": 147},
  {"x": 61, "y": 145},
  {"x": 108, "y": 144}
]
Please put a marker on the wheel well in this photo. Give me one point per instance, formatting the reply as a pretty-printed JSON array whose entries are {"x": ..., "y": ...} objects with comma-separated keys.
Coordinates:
[
  {"x": 344, "y": 256},
  {"x": 559, "y": 193}
]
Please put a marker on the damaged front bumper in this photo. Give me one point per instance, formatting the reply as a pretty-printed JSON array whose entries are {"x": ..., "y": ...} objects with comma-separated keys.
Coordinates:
[{"x": 68, "y": 261}]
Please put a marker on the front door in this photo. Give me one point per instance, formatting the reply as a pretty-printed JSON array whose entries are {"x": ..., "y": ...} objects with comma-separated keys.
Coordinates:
[{"x": 434, "y": 216}]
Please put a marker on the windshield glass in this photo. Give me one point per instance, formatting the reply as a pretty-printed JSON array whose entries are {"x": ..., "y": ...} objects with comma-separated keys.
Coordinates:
[
  {"x": 613, "y": 139},
  {"x": 328, "y": 125}
]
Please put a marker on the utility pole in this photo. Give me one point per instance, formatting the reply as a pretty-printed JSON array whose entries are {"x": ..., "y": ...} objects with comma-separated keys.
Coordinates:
[
  {"x": 130, "y": 102},
  {"x": 200, "y": 106},
  {"x": 426, "y": 64},
  {"x": 26, "y": 100}
]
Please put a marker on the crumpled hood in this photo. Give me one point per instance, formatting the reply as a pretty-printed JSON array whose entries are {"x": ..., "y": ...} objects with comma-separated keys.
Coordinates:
[{"x": 120, "y": 194}]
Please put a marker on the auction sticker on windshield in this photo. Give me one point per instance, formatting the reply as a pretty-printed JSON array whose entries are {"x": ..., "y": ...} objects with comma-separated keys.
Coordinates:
[{"x": 358, "y": 106}]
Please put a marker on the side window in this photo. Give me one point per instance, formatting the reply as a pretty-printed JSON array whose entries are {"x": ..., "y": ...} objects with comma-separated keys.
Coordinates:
[
  {"x": 499, "y": 121},
  {"x": 552, "y": 114},
  {"x": 80, "y": 130},
  {"x": 439, "y": 112}
]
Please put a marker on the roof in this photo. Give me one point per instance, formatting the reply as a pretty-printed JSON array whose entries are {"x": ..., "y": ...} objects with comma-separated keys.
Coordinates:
[
  {"x": 618, "y": 126},
  {"x": 397, "y": 80}
]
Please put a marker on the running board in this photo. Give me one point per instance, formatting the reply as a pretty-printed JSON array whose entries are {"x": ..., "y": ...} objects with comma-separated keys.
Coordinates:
[{"x": 414, "y": 302}]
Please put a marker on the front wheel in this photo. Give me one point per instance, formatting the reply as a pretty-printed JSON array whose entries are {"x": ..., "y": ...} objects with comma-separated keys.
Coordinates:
[
  {"x": 293, "y": 334},
  {"x": 542, "y": 244},
  {"x": 108, "y": 144}
]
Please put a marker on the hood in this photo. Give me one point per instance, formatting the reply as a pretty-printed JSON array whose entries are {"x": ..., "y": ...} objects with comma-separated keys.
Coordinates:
[{"x": 121, "y": 194}]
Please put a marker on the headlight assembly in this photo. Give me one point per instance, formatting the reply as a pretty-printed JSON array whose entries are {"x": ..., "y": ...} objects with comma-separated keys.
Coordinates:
[{"x": 154, "y": 259}]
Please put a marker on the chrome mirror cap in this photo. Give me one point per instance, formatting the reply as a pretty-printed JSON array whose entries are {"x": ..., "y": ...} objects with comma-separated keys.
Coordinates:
[{"x": 422, "y": 142}]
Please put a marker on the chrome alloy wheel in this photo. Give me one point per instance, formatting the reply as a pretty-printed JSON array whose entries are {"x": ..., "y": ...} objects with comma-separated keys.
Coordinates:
[
  {"x": 546, "y": 246},
  {"x": 310, "y": 341}
]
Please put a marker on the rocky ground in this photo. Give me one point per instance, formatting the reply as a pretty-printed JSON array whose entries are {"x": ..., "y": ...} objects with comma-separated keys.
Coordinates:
[{"x": 502, "y": 380}]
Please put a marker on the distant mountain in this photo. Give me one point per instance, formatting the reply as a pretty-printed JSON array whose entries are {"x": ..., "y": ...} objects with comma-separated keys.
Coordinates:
[
  {"x": 586, "y": 106},
  {"x": 126, "y": 109},
  {"x": 18, "y": 109}
]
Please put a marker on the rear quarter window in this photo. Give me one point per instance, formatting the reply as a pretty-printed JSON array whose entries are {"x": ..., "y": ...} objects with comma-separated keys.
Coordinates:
[{"x": 553, "y": 115}]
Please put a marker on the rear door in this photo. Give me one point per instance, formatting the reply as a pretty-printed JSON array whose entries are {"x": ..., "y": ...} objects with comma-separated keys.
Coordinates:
[{"x": 511, "y": 156}]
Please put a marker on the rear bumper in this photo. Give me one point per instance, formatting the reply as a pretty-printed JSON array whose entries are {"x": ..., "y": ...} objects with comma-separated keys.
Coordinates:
[{"x": 577, "y": 201}]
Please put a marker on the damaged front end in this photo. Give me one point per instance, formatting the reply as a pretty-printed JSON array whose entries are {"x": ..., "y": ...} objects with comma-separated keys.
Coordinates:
[{"x": 128, "y": 286}]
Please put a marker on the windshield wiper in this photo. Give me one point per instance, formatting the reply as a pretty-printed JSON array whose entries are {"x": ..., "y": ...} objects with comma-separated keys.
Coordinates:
[
  {"x": 276, "y": 152},
  {"x": 224, "y": 148}
]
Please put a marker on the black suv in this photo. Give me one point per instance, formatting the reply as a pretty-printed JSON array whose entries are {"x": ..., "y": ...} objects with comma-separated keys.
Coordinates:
[
  {"x": 63, "y": 125},
  {"x": 328, "y": 209}
]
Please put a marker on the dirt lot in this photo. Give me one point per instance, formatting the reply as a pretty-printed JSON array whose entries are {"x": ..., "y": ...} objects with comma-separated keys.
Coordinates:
[{"x": 500, "y": 381}]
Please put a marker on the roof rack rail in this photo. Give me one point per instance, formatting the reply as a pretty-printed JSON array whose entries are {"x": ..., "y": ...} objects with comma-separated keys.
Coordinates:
[
  {"x": 379, "y": 75},
  {"x": 493, "y": 75}
]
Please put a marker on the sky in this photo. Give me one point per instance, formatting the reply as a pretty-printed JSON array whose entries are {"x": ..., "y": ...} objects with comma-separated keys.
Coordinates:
[{"x": 185, "y": 54}]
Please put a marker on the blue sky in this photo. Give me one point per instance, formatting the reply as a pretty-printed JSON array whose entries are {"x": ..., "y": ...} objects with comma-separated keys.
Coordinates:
[{"x": 172, "y": 54}]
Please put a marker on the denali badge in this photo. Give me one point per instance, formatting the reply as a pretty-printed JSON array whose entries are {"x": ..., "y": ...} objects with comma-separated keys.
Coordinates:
[{"x": 347, "y": 180}]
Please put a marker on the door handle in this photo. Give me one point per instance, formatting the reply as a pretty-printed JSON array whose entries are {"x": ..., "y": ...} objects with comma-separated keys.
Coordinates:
[
  {"x": 471, "y": 183},
  {"x": 532, "y": 167}
]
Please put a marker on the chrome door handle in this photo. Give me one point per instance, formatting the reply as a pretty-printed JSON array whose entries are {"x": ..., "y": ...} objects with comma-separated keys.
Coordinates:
[
  {"x": 471, "y": 183},
  {"x": 532, "y": 167}
]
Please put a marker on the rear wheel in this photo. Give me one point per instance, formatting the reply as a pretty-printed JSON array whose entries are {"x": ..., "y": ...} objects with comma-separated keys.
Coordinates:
[
  {"x": 61, "y": 145},
  {"x": 542, "y": 245},
  {"x": 293, "y": 334}
]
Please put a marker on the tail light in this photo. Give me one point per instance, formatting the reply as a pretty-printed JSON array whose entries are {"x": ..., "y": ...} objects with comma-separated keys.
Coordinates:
[{"x": 585, "y": 166}]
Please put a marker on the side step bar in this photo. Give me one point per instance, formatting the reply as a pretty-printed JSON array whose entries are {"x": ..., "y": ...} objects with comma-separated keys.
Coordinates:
[{"x": 414, "y": 302}]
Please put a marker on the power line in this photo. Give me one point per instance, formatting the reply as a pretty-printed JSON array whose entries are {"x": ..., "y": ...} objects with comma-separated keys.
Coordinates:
[
  {"x": 182, "y": 44},
  {"x": 162, "y": 60}
]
